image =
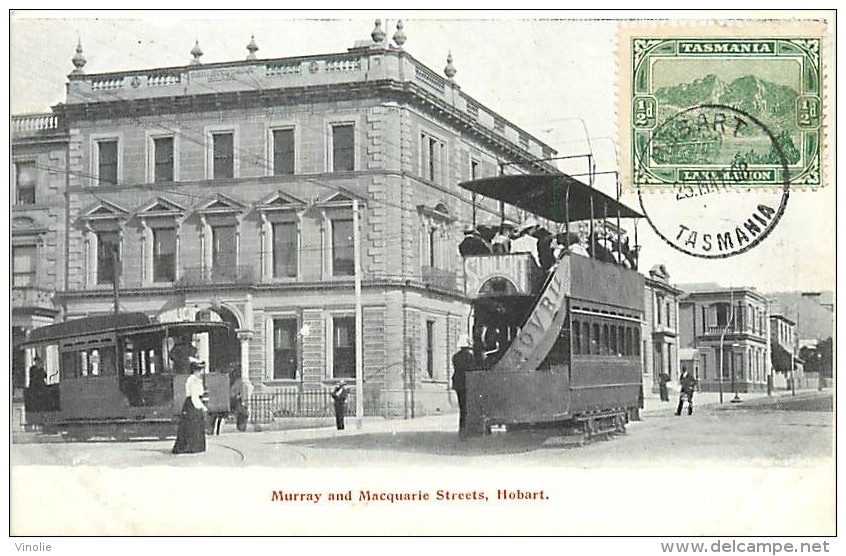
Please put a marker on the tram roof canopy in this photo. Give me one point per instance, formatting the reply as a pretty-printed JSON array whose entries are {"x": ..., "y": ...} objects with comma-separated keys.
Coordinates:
[
  {"x": 121, "y": 323},
  {"x": 545, "y": 195}
]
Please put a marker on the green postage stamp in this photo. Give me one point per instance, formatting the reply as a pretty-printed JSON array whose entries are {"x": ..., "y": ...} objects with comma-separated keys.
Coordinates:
[{"x": 723, "y": 105}]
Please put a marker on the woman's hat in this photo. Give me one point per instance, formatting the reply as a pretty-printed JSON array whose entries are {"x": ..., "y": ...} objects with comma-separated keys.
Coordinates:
[{"x": 528, "y": 224}]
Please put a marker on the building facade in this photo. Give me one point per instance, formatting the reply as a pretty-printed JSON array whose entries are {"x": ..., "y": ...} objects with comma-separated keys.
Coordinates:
[
  {"x": 784, "y": 352},
  {"x": 660, "y": 334},
  {"x": 729, "y": 329},
  {"x": 247, "y": 191},
  {"x": 38, "y": 177}
]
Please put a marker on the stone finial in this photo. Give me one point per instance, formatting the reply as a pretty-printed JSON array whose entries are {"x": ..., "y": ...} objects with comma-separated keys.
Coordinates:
[
  {"x": 399, "y": 36},
  {"x": 196, "y": 52},
  {"x": 378, "y": 35},
  {"x": 252, "y": 47},
  {"x": 78, "y": 59},
  {"x": 450, "y": 70}
]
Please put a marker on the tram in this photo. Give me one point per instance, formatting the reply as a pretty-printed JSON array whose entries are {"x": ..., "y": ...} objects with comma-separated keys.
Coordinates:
[
  {"x": 557, "y": 342},
  {"x": 121, "y": 368}
]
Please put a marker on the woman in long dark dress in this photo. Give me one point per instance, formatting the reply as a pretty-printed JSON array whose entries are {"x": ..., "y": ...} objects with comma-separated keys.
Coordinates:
[{"x": 191, "y": 433}]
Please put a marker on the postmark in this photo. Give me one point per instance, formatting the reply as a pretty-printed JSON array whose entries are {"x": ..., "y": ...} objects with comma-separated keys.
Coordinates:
[
  {"x": 715, "y": 212},
  {"x": 772, "y": 72}
]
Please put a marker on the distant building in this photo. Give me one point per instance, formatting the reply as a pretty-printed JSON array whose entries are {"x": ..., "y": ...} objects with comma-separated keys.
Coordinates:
[
  {"x": 660, "y": 334},
  {"x": 728, "y": 327},
  {"x": 785, "y": 352}
]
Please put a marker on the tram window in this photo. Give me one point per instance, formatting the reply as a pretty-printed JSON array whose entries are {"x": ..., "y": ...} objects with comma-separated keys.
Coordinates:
[
  {"x": 585, "y": 338},
  {"x": 629, "y": 341},
  {"x": 621, "y": 340},
  {"x": 594, "y": 341},
  {"x": 69, "y": 365},
  {"x": 577, "y": 338},
  {"x": 637, "y": 341},
  {"x": 603, "y": 344}
]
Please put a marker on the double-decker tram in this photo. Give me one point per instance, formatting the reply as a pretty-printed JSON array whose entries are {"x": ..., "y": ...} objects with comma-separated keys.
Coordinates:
[
  {"x": 556, "y": 328},
  {"x": 122, "y": 368}
]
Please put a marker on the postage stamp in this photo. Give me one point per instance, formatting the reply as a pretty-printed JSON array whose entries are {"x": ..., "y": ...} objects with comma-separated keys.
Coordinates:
[{"x": 710, "y": 105}]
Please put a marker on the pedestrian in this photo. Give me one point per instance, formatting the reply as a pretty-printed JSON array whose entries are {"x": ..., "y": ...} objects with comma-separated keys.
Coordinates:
[
  {"x": 462, "y": 362},
  {"x": 191, "y": 433},
  {"x": 663, "y": 379},
  {"x": 688, "y": 384},
  {"x": 339, "y": 396},
  {"x": 37, "y": 375},
  {"x": 501, "y": 242}
]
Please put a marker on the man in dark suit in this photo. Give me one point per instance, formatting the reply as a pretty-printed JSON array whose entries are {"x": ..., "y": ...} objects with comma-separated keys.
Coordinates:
[
  {"x": 339, "y": 396},
  {"x": 462, "y": 362}
]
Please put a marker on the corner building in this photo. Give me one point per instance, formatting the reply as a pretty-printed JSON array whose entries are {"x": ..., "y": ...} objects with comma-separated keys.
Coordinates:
[{"x": 226, "y": 191}]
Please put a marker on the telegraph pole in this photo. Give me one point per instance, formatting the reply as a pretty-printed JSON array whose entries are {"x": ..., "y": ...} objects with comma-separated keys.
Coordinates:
[{"x": 359, "y": 351}]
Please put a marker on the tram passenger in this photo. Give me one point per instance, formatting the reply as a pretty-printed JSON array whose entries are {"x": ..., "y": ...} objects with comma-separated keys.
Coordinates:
[
  {"x": 37, "y": 375},
  {"x": 546, "y": 253},
  {"x": 191, "y": 433},
  {"x": 524, "y": 240},
  {"x": 501, "y": 242},
  {"x": 474, "y": 244},
  {"x": 182, "y": 353},
  {"x": 462, "y": 362}
]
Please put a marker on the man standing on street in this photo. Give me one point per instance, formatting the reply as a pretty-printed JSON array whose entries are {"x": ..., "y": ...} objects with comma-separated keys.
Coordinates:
[
  {"x": 462, "y": 362},
  {"x": 688, "y": 384},
  {"x": 339, "y": 396}
]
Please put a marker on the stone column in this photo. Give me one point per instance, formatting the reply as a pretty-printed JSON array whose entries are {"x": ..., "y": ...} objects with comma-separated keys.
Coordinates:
[{"x": 244, "y": 336}]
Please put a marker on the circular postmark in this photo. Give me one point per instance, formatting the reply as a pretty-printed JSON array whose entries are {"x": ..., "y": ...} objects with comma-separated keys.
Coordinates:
[{"x": 707, "y": 200}]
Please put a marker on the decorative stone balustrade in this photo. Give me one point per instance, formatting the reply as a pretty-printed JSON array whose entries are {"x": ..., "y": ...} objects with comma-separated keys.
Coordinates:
[
  {"x": 355, "y": 66},
  {"x": 34, "y": 122}
]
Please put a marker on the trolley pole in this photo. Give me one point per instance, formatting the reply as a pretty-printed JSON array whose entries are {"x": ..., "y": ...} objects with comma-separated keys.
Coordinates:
[{"x": 359, "y": 367}]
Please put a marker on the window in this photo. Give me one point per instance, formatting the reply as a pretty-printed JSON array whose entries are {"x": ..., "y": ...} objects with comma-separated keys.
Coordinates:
[
  {"x": 431, "y": 247},
  {"x": 283, "y": 152},
  {"x": 430, "y": 348},
  {"x": 285, "y": 361},
  {"x": 605, "y": 347},
  {"x": 343, "y": 148},
  {"x": 23, "y": 265},
  {"x": 25, "y": 180},
  {"x": 162, "y": 159},
  {"x": 343, "y": 347},
  {"x": 621, "y": 340},
  {"x": 629, "y": 348},
  {"x": 431, "y": 160},
  {"x": 585, "y": 338},
  {"x": 659, "y": 305},
  {"x": 474, "y": 169},
  {"x": 704, "y": 320},
  {"x": 637, "y": 341},
  {"x": 722, "y": 314},
  {"x": 224, "y": 248},
  {"x": 343, "y": 260},
  {"x": 285, "y": 250},
  {"x": 223, "y": 146},
  {"x": 613, "y": 340},
  {"x": 164, "y": 254},
  {"x": 108, "y": 259},
  {"x": 595, "y": 341},
  {"x": 107, "y": 162},
  {"x": 577, "y": 338},
  {"x": 703, "y": 365}
]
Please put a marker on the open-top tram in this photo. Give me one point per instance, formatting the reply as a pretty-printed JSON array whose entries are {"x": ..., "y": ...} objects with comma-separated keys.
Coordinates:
[
  {"x": 556, "y": 339},
  {"x": 122, "y": 368}
]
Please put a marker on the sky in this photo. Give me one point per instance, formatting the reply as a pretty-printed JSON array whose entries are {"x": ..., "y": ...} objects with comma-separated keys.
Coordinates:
[{"x": 553, "y": 77}]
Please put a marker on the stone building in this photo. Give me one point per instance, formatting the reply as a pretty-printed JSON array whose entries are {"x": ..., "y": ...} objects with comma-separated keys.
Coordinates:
[
  {"x": 227, "y": 191},
  {"x": 38, "y": 160},
  {"x": 660, "y": 334},
  {"x": 728, "y": 328}
]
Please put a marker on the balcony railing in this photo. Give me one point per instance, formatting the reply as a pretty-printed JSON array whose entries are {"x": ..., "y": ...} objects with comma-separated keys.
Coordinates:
[
  {"x": 439, "y": 278},
  {"x": 32, "y": 297},
  {"x": 205, "y": 275},
  {"x": 718, "y": 330},
  {"x": 30, "y": 123}
]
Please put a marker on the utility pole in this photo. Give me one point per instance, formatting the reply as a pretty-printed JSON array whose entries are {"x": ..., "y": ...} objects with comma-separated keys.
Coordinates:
[{"x": 359, "y": 352}]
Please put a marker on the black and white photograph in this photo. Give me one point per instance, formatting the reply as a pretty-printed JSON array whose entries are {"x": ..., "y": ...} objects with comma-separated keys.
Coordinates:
[{"x": 424, "y": 273}]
